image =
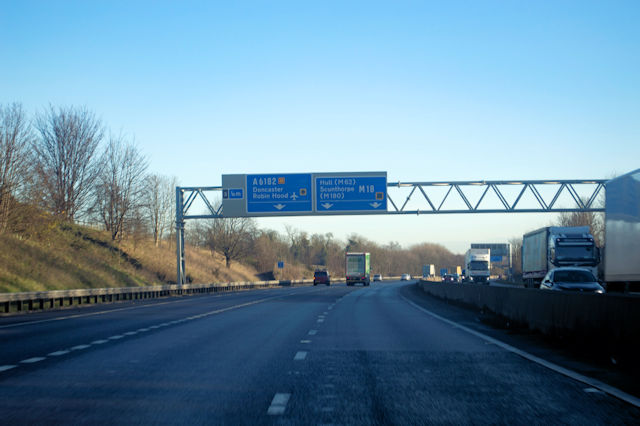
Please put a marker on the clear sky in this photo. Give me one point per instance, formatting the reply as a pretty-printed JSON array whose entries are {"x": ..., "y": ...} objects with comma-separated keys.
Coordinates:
[{"x": 426, "y": 91}]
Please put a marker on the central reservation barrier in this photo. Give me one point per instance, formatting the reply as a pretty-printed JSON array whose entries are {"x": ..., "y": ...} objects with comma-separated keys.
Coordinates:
[{"x": 606, "y": 322}]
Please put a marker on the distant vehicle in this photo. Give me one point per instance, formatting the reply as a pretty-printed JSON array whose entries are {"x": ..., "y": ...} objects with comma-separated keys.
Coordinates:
[
  {"x": 555, "y": 246},
  {"x": 571, "y": 279},
  {"x": 443, "y": 272},
  {"x": 428, "y": 271},
  {"x": 451, "y": 278},
  {"x": 405, "y": 277},
  {"x": 377, "y": 277},
  {"x": 358, "y": 268},
  {"x": 477, "y": 265},
  {"x": 321, "y": 277}
]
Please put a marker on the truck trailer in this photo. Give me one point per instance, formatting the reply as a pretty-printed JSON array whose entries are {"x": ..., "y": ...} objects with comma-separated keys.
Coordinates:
[
  {"x": 358, "y": 268},
  {"x": 553, "y": 246},
  {"x": 428, "y": 271},
  {"x": 622, "y": 233},
  {"x": 477, "y": 265}
]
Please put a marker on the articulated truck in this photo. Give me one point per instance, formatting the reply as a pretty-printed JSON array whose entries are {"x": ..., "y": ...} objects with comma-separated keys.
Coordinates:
[
  {"x": 553, "y": 246},
  {"x": 477, "y": 265},
  {"x": 358, "y": 268}
]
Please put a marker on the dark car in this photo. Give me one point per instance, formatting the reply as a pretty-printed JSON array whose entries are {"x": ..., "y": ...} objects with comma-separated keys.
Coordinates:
[
  {"x": 571, "y": 279},
  {"x": 451, "y": 278},
  {"x": 321, "y": 277}
]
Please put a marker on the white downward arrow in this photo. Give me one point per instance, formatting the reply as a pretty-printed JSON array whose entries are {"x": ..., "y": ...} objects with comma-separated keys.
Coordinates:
[
  {"x": 327, "y": 205},
  {"x": 279, "y": 206},
  {"x": 375, "y": 205}
]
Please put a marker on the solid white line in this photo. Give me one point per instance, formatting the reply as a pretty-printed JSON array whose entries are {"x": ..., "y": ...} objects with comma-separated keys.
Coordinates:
[
  {"x": 300, "y": 355},
  {"x": 551, "y": 366},
  {"x": 6, "y": 367},
  {"x": 119, "y": 336},
  {"x": 80, "y": 347},
  {"x": 130, "y": 333},
  {"x": 278, "y": 404},
  {"x": 142, "y": 330},
  {"x": 90, "y": 314},
  {"x": 59, "y": 353},
  {"x": 32, "y": 360},
  {"x": 99, "y": 342}
]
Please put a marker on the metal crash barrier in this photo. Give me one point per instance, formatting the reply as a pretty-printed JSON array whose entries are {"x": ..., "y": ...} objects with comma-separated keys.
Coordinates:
[{"x": 42, "y": 300}]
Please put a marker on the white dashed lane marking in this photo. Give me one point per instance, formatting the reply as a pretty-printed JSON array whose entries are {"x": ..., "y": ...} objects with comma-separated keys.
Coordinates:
[
  {"x": 278, "y": 404},
  {"x": 306, "y": 342},
  {"x": 312, "y": 332},
  {"x": 300, "y": 355},
  {"x": 132, "y": 333},
  {"x": 32, "y": 360},
  {"x": 80, "y": 347}
]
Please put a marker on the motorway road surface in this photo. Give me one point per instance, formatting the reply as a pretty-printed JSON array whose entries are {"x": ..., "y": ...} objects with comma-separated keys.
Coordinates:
[{"x": 306, "y": 355}]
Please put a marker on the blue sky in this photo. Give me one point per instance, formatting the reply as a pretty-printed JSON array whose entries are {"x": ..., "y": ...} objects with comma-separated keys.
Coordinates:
[{"x": 426, "y": 91}]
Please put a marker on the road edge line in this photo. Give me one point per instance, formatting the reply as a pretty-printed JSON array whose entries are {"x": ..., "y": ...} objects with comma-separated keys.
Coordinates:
[{"x": 608, "y": 389}]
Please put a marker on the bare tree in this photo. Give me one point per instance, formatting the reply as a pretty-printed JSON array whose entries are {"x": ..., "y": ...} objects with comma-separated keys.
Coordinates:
[
  {"x": 15, "y": 139},
  {"x": 233, "y": 237},
  {"x": 120, "y": 185},
  {"x": 159, "y": 204},
  {"x": 65, "y": 158}
]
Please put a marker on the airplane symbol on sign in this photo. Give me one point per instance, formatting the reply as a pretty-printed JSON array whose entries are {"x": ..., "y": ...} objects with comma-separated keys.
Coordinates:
[{"x": 294, "y": 196}]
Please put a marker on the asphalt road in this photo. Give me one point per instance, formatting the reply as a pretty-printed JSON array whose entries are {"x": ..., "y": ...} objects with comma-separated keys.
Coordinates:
[{"x": 309, "y": 355}]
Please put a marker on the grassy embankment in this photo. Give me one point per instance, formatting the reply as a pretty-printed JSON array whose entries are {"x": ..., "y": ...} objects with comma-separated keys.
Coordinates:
[{"x": 75, "y": 257}]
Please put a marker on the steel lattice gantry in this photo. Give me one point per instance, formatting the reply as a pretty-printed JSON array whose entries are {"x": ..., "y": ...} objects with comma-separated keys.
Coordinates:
[
  {"x": 545, "y": 201},
  {"x": 433, "y": 198}
]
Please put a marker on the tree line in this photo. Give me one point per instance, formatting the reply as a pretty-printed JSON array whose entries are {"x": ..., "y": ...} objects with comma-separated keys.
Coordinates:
[{"x": 65, "y": 162}]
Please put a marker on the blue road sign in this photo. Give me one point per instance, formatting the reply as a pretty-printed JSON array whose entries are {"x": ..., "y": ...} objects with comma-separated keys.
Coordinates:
[
  {"x": 279, "y": 193},
  {"x": 342, "y": 193},
  {"x": 280, "y": 265}
]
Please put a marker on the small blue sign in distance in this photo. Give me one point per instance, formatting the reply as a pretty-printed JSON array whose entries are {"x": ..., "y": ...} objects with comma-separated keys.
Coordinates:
[
  {"x": 496, "y": 258},
  {"x": 351, "y": 193},
  {"x": 281, "y": 265},
  {"x": 279, "y": 193}
]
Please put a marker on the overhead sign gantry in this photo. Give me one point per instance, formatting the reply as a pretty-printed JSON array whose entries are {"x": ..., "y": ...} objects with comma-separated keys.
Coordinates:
[{"x": 362, "y": 193}]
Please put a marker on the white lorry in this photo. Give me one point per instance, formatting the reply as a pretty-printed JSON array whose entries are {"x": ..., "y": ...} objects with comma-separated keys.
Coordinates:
[
  {"x": 622, "y": 233},
  {"x": 553, "y": 246},
  {"x": 477, "y": 265}
]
